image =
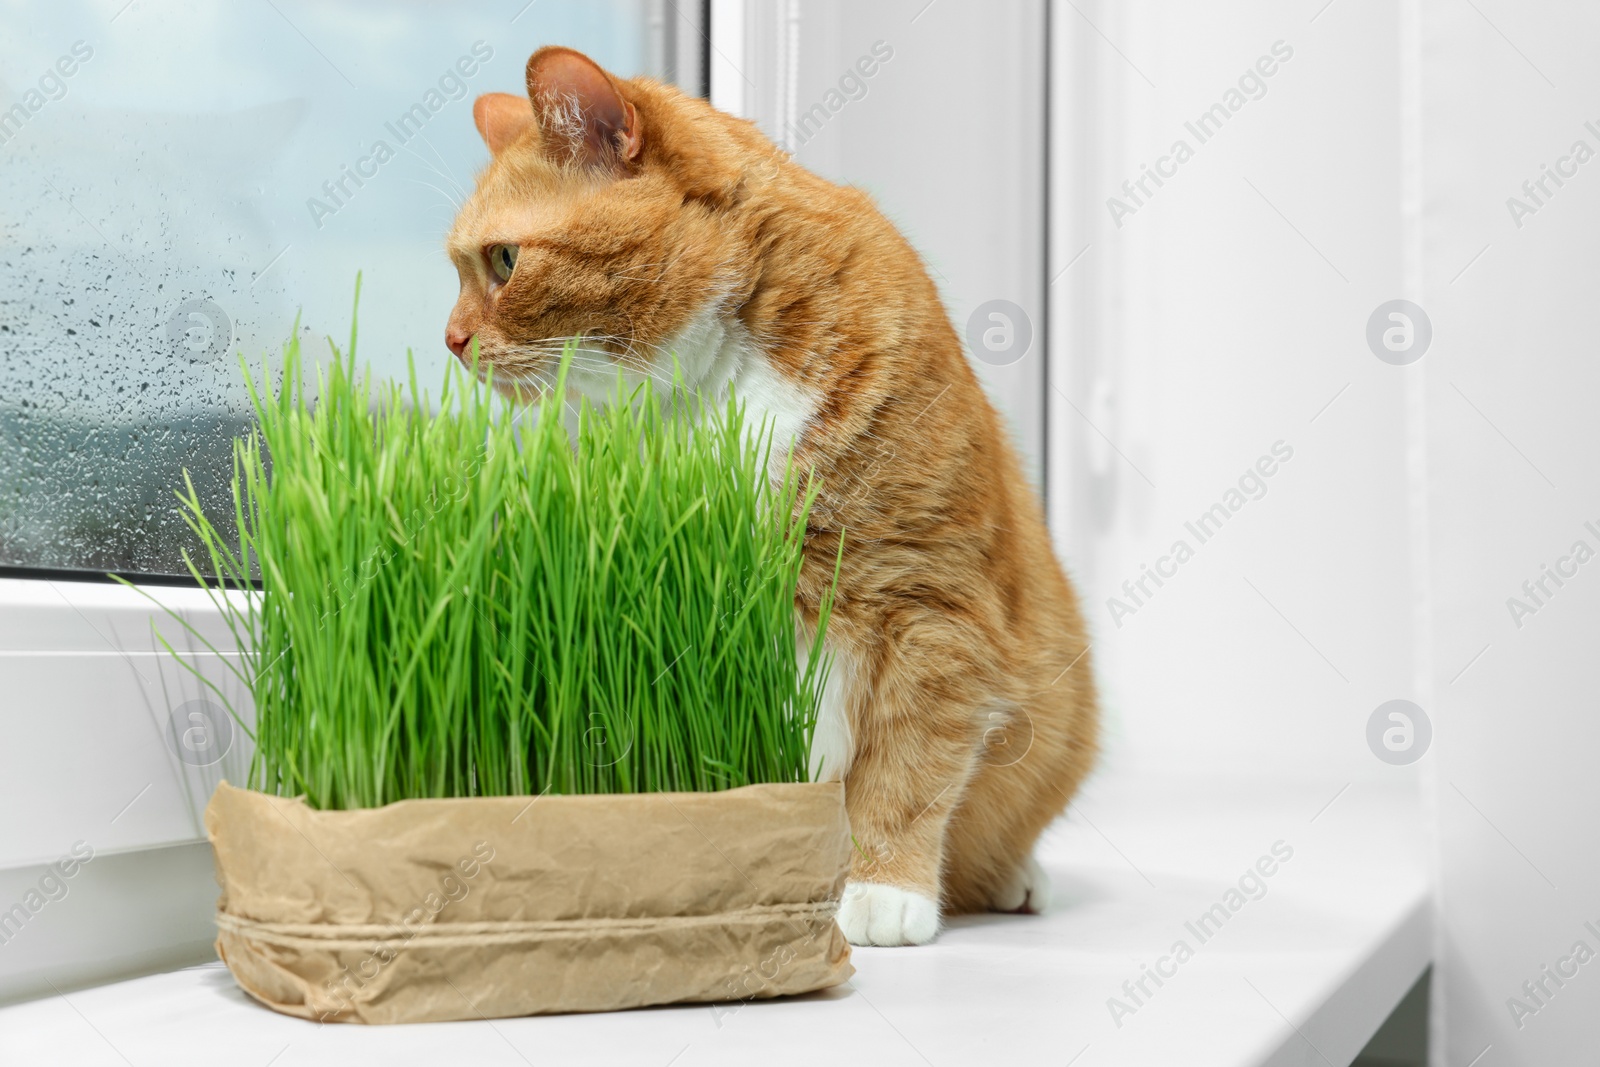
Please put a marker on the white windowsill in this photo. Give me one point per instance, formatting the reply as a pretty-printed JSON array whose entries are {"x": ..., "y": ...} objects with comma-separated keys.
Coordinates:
[{"x": 1305, "y": 973}]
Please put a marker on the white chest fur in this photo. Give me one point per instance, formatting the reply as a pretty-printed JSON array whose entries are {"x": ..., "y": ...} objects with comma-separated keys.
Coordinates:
[
  {"x": 832, "y": 744},
  {"x": 713, "y": 354}
]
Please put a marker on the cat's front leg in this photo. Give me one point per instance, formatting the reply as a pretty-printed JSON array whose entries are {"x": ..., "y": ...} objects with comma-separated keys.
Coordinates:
[{"x": 911, "y": 762}]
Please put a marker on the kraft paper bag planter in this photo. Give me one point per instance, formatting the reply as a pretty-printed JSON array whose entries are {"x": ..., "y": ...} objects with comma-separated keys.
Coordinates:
[{"x": 486, "y": 907}]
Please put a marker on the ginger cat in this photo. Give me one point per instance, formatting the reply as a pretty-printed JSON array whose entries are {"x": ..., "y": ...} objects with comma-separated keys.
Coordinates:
[{"x": 961, "y": 710}]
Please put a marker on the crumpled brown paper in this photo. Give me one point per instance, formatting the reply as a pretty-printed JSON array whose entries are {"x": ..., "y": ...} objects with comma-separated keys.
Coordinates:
[{"x": 489, "y": 907}]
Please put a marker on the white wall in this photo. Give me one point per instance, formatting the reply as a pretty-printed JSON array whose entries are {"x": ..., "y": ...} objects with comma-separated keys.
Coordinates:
[
  {"x": 1512, "y": 435},
  {"x": 1219, "y": 319},
  {"x": 1226, "y": 313}
]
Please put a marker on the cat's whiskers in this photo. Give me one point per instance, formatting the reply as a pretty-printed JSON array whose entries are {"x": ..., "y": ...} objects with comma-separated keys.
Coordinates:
[
  {"x": 542, "y": 361},
  {"x": 633, "y": 355},
  {"x": 445, "y": 162},
  {"x": 454, "y": 206},
  {"x": 460, "y": 194}
]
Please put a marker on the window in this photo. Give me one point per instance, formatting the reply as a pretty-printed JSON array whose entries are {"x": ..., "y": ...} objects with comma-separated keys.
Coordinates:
[{"x": 182, "y": 180}]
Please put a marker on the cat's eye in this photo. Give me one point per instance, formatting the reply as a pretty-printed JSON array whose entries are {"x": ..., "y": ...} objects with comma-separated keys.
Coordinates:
[{"x": 503, "y": 260}]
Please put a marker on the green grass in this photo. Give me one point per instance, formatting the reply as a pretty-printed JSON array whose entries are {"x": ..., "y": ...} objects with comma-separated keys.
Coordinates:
[{"x": 465, "y": 602}]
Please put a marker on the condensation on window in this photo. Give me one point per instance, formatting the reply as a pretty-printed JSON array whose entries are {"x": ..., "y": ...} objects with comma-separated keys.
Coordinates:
[{"x": 179, "y": 182}]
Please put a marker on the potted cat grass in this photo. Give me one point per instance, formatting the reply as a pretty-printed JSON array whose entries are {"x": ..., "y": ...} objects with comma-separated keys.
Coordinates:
[{"x": 531, "y": 725}]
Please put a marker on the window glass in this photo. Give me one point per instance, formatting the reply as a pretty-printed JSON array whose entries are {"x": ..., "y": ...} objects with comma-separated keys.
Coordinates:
[{"x": 179, "y": 180}]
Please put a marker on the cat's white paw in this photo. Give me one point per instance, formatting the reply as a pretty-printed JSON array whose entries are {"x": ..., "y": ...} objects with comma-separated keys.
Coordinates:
[
  {"x": 1027, "y": 890},
  {"x": 872, "y": 914}
]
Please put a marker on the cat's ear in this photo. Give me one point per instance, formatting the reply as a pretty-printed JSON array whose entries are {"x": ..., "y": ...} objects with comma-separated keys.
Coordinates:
[
  {"x": 582, "y": 114},
  {"x": 501, "y": 118}
]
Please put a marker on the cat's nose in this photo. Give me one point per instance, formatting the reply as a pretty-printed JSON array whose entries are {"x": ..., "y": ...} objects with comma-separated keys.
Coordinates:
[{"x": 456, "y": 340}]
